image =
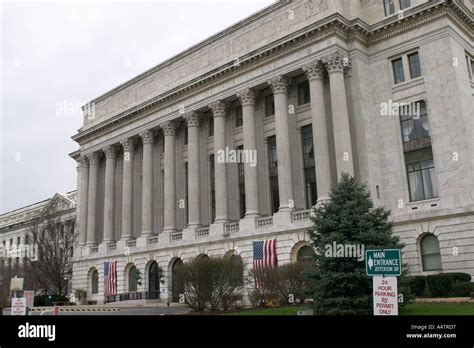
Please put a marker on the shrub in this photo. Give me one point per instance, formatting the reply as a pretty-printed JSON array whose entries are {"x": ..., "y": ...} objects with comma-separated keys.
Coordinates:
[
  {"x": 293, "y": 281},
  {"x": 44, "y": 300},
  {"x": 440, "y": 285},
  {"x": 417, "y": 285},
  {"x": 267, "y": 290},
  {"x": 462, "y": 290}
]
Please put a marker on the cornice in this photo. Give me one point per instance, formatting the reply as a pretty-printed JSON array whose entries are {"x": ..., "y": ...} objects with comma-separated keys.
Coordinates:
[{"x": 334, "y": 25}]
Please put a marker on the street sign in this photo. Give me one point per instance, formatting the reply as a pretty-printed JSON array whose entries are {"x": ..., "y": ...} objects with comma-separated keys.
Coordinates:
[
  {"x": 385, "y": 296},
  {"x": 383, "y": 262},
  {"x": 18, "y": 306},
  {"x": 16, "y": 284}
]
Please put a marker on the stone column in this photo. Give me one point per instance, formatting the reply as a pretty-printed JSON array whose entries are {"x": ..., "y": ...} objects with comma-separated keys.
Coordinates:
[
  {"x": 84, "y": 187},
  {"x": 92, "y": 198},
  {"x": 315, "y": 74},
  {"x": 220, "y": 166},
  {"x": 109, "y": 194},
  {"x": 285, "y": 180},
  {"x": 335, "y": 64},
  {"x": 194, "y": 201},
  {"x": 169, "y": 130},
  {"x": 147, "y": 188},
  {"x": 247, "y": 99},
  {"x": 127, "y": 189}
]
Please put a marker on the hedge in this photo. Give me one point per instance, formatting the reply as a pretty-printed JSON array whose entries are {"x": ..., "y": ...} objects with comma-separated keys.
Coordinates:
[
  {"x": 441, "y": 285},
  {"x": 462, "y": 290},
  {"x": 43, "y": 300},
  {"x": 417, "y": 284}
]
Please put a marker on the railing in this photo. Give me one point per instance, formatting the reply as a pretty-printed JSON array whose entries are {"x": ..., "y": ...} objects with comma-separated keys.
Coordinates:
[
  {"x": 94, "y": 249},
  {"x": 134, "y": 295},
  {"x": 112, "y": 247},
  {"x": 176, "y": 235},
  {"x": 202, "y": 231},
  {"x": 301, "y": 215},
  {"x": 264, "y": 221},
  {"x": 153, "y": 240},
  {"x": 231, "y": 227},
  {"x": 131, "y": 243}
]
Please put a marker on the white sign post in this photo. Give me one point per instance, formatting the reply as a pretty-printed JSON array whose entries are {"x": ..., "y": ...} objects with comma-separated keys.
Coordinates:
[
  {"x": 19, "y": 306},
  {"x": 385, "y": 295},
  {"x": 30, "y": 298}
]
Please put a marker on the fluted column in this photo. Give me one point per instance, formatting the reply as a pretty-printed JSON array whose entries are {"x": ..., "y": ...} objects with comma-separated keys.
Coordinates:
[
  {"x": 315, "y": 74},
  {"x": 127, "y": 189},
  {"x": 84, "y": 188},
  {"x": 335, "y": 64},
  {"x": 194, "y": 202},
  {"x": 109, "y": 193},
  {"x": 147, "y": 184},
  {"x": 285, "y": 180},
  {"x": 92, "y": 198},
  {"x": 247, "y": 99},
  {"x": 219, "y": 112},
  {"x": 169, "y": 130}
]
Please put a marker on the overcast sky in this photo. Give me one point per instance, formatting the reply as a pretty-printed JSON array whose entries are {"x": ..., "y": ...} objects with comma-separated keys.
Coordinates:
[{"x": 55, "y": 56}]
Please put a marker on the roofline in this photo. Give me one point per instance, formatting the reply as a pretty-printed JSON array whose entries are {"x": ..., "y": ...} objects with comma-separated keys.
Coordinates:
[{"x": 253, "y": 17}]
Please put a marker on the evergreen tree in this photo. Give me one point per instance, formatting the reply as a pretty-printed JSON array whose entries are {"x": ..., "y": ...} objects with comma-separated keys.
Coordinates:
[{"x": 340, "y": 285}]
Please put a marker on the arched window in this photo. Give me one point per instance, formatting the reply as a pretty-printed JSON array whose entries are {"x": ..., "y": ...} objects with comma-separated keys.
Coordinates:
[
  {"x": 177, "y": 285},
  {"x": 240, "y": 267},
  {"x": 305, "y": 254},
  {"x": 95, "y": 282},
  {"x": 132, "y": 279},
  {"x": 430, "y": 254}
]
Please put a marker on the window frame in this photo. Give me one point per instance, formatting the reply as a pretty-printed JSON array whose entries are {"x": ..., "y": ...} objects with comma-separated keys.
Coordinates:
[
  {"x": 402, "y": 7},
  {"x": 418, "y": 63},
  {"x": 423, "y": 255},
  {"x": 266, "y": 105},
  {"x": 399, "y": 69},
  {"x": 390, "y": 3},
  {"x": 303, "y": 94}
]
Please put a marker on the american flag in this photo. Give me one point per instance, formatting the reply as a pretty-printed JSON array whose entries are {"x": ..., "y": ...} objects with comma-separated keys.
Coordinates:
[
  {"x": 110, "y": 278},
  {"x": 264, "y": 255}
]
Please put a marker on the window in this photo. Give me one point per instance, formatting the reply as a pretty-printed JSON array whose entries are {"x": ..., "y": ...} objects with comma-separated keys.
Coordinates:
[
  {"x": 414, "y": 122},
  {"x": 210, "y": 124},
  {"x": 389, "y": 7},
  {"x": 305, "y": 254},
  {"x": 308, "y": 164},
  {"x": 398, "y": 73},
  {"x": 470, "y": 66},
  {"x": 213, "y": 187},
  {"x": 414, "y": 62},
  {"x": 273, "y": 164},
  {"x": 421, "y": 175},
  {"x": 133, "y": 279},
  {"x": 404, "y": 4},
  {"x": 303, "y": 93},
  {"x": 241, "y": 170},
  {"x": 269, "y": 105},
  {"x": 430, "y": 253},
  {"x": 239, "y": 121},
  {"x": 185, "y": 134},
  {"x": 186, "y": 190},
  {"x": 95, "y": 282}
]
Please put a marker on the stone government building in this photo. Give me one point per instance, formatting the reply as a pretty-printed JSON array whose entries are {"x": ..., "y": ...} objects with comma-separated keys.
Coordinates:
[{"x": 303, "y": 83}]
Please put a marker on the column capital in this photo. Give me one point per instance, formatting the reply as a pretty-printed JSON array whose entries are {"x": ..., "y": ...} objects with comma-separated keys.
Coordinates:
[
  {"x": 147, "y": 136},
  {"x": 314, "y": 70},
  {"x": 169, "y": 128},
  {"x": 278, "y": 84},
  {"x": 192, "y": 118},
  {"x": 218, "y": 108},
  {"x": 94, "y": 158},
  {"x": 247, "y": 96},
  {"x": 83, "y": 162},
  {"x": 110, "y": 151},
  {"x": 128, "y": 144},
  {"x": 336, "y": 62}
]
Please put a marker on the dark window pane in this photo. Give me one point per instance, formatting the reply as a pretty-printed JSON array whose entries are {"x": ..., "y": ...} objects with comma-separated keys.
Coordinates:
[
  {"x": 389, "y": 7},
  {"x": 415, "y": 69},
  {"x": 269, "y": 105},
  {"x": 398, "y": 73},
  {"x": 404, "y": 4},
  {"x": 430, "y": 253},
  {"x": 421, "y": 175},
  {"x": 240, "y": 167},
  {"x": 238, "y": 116},
  {"x": 210, "y": 124},
  {"x": 414, "y": 120},
  {"x": 303, "y": 93}
]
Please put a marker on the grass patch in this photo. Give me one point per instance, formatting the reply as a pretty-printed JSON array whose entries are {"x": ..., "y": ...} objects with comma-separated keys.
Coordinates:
[{"x": 411, "y": 309}]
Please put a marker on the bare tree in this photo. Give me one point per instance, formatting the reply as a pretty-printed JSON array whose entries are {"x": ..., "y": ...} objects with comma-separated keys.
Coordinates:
[{"x": 51, "y": 269}]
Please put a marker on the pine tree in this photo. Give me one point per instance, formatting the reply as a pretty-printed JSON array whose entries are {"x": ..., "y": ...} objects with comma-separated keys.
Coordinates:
[{"x": 340, "y": 285}]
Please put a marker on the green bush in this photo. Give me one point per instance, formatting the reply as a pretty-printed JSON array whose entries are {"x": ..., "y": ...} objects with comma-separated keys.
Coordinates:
[
  {"x": 462, "y": 289},
  {"x": 417, "y": 284},
  {"x": 441, "y": 285},
  {"x": 44, "y": 300}
]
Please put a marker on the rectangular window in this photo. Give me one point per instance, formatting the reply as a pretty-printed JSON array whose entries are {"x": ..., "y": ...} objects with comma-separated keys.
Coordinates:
[
  {"x": 470, "y": 66},
  {"x": 210, "y": 124},
  {"x": 239, "y": 121},
  {"x": 309, "y": 168},
  {"x": 213, "y": 188},
  {"x": 273, "y": 163},
  {"x": 414, "y": 62},
  {"x": 389, "y": 7},
  {"x": 404, "y": 4},
  {"x": 421, "y": 175},
  {"x": 186, "y": 192},
  {"x": 185, "y": 135},
  {"x": 414, "y": 121},
  {"x": 398, "y": 73},
  {"x": 269, "y": 105},
  {"x": 241, "y": 173},
  {"x": 303, "y": 93}
]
